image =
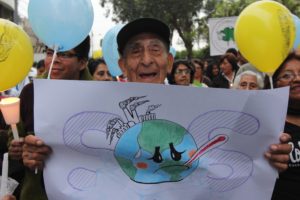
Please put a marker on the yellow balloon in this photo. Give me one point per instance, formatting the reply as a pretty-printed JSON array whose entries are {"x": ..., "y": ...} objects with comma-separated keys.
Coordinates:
[
  {"x": 97, "y": 54},
  {"x": 16, "y": 54},
  {"x": 264, "y": 34}
]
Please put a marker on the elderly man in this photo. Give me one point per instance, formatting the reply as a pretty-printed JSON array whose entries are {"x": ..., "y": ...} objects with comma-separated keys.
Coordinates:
[
  {"x": 143, "y": 45},
  {"x": 144, "y": 48}
]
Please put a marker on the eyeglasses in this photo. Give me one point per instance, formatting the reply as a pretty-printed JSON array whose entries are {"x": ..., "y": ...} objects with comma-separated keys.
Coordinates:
[
  {"x": 288, "y": 76},
  {"x": 183, "y": 71},
  {"x": 63, "y": 55}
]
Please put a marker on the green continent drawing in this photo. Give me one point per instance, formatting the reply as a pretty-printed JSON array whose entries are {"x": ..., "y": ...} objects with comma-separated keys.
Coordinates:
[{"x": 160, "y": 133}]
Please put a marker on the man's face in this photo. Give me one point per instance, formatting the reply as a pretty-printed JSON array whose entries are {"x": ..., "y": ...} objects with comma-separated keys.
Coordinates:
[
  {"x": 66, "y": 65},
  {"x": 146, "y": 59}
]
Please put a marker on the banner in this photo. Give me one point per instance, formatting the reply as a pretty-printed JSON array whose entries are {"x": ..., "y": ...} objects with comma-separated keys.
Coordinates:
[
  {"x": 147, "y": 141},
  {"x": 221, "y": 35}
]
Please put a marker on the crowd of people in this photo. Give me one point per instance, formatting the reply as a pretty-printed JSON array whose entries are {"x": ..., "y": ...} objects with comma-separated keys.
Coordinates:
[{"x": 143, "y": 45}]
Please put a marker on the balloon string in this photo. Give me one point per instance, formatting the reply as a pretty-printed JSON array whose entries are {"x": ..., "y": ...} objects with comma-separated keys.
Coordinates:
[
  {"x": 52, "y": 62},
  {"x": 271, "y": 81}
]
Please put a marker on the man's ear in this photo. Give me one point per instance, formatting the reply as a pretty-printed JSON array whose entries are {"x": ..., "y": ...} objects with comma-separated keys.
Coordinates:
[
  {"x": 121, "y": 63},
  {"x": 170, "y": 62}
]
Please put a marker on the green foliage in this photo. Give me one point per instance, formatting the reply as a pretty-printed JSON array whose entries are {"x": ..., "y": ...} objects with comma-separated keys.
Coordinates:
[
  {"x": 184, "y": 16},
  {"x": 292, "y": 5},
  {"x": 179, "y": 15},
  {"x": 228, "y": 8},
  {"x": 200, "y": 54},
  {"x": 181, "y": 55}
]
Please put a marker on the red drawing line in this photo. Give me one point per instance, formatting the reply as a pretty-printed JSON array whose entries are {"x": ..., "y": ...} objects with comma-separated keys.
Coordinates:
[{"x": 213, "y": 143}]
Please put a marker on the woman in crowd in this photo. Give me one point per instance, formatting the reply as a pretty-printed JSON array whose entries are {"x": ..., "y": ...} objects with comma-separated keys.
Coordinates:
[
  {"x": 288, "y": 74},
  {"x": 182, "y": 73},
  {"x": 229, "y": 67},
  {"x": 99, "y": 70},
  {"x": 248, "y": 80},
  {"x": 213, "y": 70},
  {"x": 200, "y": 80}
]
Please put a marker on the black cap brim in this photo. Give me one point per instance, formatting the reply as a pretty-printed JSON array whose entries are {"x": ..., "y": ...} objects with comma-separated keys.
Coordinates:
[{"x": 142, "y": 25}]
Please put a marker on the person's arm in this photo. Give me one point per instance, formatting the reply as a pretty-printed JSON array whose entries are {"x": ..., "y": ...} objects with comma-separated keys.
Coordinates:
[
  {"x": 35, "y": 152},
  {"x": 278, "y": 154}
]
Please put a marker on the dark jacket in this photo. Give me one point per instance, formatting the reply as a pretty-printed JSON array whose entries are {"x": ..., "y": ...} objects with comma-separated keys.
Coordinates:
[{"x": 220, "y": 82}]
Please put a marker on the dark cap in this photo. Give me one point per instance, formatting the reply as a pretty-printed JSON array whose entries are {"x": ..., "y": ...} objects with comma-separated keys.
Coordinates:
[{"x": 142, "y": 25}]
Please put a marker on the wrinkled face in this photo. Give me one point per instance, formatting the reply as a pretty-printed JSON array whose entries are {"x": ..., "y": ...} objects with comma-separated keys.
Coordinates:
[
  {"x": 226, "y": 67},
  {"x": 66, "y": 65},
  {"x": 290, "y": 76},
  {"x": 102, "y": 73},
  {"x": 182, "y": 75},
  {"x": 248, "y": 82},
  {"x": 146, "y": 59}
]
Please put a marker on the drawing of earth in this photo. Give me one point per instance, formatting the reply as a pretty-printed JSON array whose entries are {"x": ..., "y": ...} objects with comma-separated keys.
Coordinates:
[{"x": 155, "y": 151}]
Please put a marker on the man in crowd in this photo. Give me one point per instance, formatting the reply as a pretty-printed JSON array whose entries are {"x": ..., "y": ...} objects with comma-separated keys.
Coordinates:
[
  {"x": 143, "y": 46},
  {"x": 69, "y": 65}
]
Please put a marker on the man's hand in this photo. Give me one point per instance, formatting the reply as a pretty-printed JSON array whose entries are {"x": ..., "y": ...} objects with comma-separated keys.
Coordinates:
[
  {"x": 15, "y": 149},
  {"x": 278, "y": 154},
  {"x": 35, "y": 152}
]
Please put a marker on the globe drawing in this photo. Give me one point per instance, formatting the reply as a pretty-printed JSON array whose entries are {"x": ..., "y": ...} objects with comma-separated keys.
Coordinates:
[{"x": 156, "y": 151}]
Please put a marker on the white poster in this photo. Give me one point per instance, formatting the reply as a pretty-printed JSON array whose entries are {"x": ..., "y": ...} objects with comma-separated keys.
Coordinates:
[
  {"x": 157, "y": 142},
  {"x": 221, "y": 35}
]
